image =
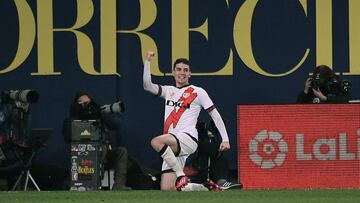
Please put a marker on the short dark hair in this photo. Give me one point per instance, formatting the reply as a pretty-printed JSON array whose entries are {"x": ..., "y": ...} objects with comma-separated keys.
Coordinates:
[
  {"x": 82, "y": 93},
  {"x": 91, "y": 111},
  {"x": 181, "y": 60},
  {"x": 325, "y": 72}
]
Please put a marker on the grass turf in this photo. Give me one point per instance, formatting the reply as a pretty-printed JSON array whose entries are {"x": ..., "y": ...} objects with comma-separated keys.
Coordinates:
[{"x": 149, "y": 196}]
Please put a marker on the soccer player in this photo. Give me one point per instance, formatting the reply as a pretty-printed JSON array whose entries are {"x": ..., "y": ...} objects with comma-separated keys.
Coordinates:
[{"x": 183, "y": 103}]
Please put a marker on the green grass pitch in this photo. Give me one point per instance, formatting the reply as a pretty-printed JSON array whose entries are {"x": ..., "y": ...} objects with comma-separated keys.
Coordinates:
[{"x": 152, "y": 196}]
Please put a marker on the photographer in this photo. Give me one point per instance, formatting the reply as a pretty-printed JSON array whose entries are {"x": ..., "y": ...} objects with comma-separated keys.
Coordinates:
[
  {"x": 84, "y": 107},
  {"x": 325, "y": 87},
  {"x": 14, "y": 128}
]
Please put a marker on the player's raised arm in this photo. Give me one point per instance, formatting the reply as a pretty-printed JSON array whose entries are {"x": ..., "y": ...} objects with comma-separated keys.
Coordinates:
[
  {"x": 219, "y": 123},
  {"x": 147, "y": 83}
]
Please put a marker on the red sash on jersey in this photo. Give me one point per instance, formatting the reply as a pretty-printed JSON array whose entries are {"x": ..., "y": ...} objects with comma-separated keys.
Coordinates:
[{"x": 174, "y": 116}]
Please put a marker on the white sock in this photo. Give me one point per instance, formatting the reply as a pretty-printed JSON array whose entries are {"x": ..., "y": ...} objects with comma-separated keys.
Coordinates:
[
  {"x": 194, "y": 187},
  {"x": 170, "y": 159}
]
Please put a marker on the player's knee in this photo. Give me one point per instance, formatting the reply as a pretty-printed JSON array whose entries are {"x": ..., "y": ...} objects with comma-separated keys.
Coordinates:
[{"x": 155, "y": 143}]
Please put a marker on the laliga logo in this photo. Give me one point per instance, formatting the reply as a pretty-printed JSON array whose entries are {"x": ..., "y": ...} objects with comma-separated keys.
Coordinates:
[{"x": 268, "y": 149}]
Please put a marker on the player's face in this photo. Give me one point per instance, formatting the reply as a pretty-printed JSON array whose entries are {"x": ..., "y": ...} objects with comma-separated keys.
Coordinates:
[{"x": 181, "y": 74}]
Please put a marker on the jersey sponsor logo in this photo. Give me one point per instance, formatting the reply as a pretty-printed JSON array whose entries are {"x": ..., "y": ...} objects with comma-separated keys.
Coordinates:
[
  {"x": 175, "y": 115},
  {"x": 186, "y": 95},
  {"x": 177, "y": 104}
]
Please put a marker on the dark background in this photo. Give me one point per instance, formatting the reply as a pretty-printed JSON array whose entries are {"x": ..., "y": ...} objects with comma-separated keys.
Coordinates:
[{"x": 280, "y": 34}]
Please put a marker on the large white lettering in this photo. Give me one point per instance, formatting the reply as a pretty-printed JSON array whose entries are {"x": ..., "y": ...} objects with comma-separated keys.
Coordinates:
[{"x": 327, "y": 148}]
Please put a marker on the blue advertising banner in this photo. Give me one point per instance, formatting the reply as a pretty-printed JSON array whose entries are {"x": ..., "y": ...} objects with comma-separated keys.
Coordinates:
[{"x": 241, "y": 52}]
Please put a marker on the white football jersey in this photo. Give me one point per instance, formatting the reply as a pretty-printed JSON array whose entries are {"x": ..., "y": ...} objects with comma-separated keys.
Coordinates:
[{"x": 182, "y": 108}]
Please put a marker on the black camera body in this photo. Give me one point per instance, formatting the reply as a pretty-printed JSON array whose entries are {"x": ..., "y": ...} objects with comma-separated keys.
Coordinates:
[
  {"x": 316, "y": 81},
  {"x": 25, "y": 96},
  {"x": 329, "y": 85},
  {"x": 315, "y": 84}
]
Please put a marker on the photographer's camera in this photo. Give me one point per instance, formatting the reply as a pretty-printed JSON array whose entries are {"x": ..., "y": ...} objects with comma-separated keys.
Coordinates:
[
  {"x": 116, "y": 107},
  {"x": 25, "y": 96},
  {"x": 315, "y": 81}
]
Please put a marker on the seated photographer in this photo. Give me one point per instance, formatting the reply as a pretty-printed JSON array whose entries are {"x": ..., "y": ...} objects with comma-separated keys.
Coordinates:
[
  {"x": 14, "y": 127},
  {"x": 199, "y": 169},
  {"x": 325, "y": 87},
  {"x": 84, "y": 107}
]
